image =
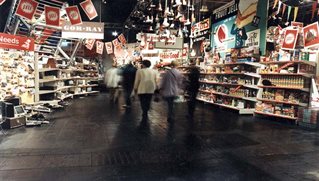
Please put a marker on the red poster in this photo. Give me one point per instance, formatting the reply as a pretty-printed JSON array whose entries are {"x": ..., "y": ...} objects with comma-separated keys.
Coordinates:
[
  {"x": 99, "y": 47},
  {"x": 74, "y": 15},
  {"x": 89, "y": 9},
  {"x": 52, "y": 15},
  {"x": 297, "y": 24},
  {"x": 26, "y": 9},
  {"x": 122, "y": 39},
  {"x": 116, "y": 43},
  {"x": 89, "y": 43},
  {"x": 311, "y": 36},
  {"x": 16, "y": 42},
  {"x": 109, "y": 47},
  {"x": 290, "y": 39},
  {"x": 2, "y": 1}
]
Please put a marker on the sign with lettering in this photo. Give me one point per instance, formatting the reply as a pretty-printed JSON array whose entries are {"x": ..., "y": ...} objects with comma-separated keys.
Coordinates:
[
  {"x": 89, "y": 43},
  {"x": 90, "y": 30},
  {"x": 109, "y": 47},
  {"x": 253, "y": 38},
  {"x": 89, "y": 9},
  {"x": 228, "y": 10},
  {"x": 52, "y": 15},
  {"x": 74, "y": 15},
  {"x": 16, "y": 42},
  {"x": 170, "y": 55},
  {"x": 290, "y": 39},
  {"x": 27, "y": 8},
  {"x": 99, "y": 47},
  {"x": 199, "y": 27}
]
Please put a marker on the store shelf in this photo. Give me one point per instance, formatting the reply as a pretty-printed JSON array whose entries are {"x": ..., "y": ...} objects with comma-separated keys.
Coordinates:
[
  {"x": 295, "y": 62},
  {"x": 253, "y": 75},
  {"x": 41, "y": 92},
  {"x": 251, "y": 86},
  {"x": 233, "y": 73},
  {"x": 276, "y": 115},
  {"x": 68, "y": 96},
  {"x": 86, "y": 93},
  {"x": 283, "y": 102},
  {"x": 220, "y": 83},
  {"x": 252, "y": 99},
  {"x": 65, "y": 87},
  {"x": 48, "y": 80},
  {"x": 92, "y": 85},
  {"x": 226, "y": 95},
  {"x": 48, "y": 69},
  {"x": 241, "y": 111},
  {"x": 291, "y": 88},
  {"x": 289, "y": 74}
]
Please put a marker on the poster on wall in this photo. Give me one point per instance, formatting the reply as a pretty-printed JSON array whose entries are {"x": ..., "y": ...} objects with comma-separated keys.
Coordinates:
[
  {"x": 89, "y": 9},
  {"x": 311, "y": 35},
  {"x": 52, "y": 16},
  {"x": 26, "y": 9},
  {"x": 223, "y": 39},
  {"x": 253, "y": 38},
  {"x": 74, "y": 15},
  {"x": 290, "y": 39}
]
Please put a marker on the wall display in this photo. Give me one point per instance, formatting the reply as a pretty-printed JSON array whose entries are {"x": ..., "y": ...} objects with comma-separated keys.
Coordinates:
[
  {"x": 16, "y": 42},
  {"x": 311, "y": 35},
  {"x": 26, "y": 9},
  {"x": 89, "y": 9},
  {"x": 52, "y": 15},
  {"x": 74, "y": 15},
  {"x": 290, "y": 39},
  {"x": 91, "y": 30}
]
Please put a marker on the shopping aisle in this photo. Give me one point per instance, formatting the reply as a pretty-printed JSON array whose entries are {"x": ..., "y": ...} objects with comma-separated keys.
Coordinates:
[{"x": 96, "y": 140}]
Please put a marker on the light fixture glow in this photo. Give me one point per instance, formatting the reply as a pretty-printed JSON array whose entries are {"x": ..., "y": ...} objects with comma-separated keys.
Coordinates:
[{"x": 114, "y": 33}]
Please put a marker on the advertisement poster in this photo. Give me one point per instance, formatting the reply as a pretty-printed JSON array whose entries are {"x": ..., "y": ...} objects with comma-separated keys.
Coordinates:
[
  {"x": 109, "y": 47},
  {"x": 311, "y": 35},
  {"x": 74, "y": 15},
  {"x": 169, "y": 55},
  {"x": 8, "y": 41},
  {"x": 290, "y": 39},
  {"x": 89, "y": 9},
  {"x": 234, "y": 27},
  {"x": 89, "y": 43},
  {"x": 99, "y": 47},
  {"x": 116, "y": 43},
  {"x": 52, "y": 16},
  {"x": 122, "y": 39},
  {"x": 26, "y": 9}
]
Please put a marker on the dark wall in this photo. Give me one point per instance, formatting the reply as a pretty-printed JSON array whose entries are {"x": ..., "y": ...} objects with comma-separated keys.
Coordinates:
[{"x": 4, "y": 9}]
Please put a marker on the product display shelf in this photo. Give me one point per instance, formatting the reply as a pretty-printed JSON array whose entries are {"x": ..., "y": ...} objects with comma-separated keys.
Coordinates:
[
  {"x": 285, "y": 88},
  {"x": 228, "y": 95},
  {"x": 220, "y": 83}
]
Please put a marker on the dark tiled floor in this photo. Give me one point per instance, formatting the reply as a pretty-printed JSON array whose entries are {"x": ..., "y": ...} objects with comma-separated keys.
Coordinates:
[{"x": 95, "y": 140}]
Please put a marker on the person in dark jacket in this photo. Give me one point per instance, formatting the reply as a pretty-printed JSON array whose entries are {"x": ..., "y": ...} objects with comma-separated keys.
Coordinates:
[
  {"x": 128, "y": 79},
  {"x": 192, "y": 88}
]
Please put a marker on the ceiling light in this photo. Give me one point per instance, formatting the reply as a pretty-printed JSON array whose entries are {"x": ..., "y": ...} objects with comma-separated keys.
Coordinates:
[{"x": 114, "y": 33}]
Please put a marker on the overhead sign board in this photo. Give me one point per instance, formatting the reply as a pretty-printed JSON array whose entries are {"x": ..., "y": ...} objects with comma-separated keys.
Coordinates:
[
  {"x": 89, "y": 30},
  {"x": 178, "y": 44},
  {"x": 8, "y": 41},
  {"x": 200, "y": 27}
]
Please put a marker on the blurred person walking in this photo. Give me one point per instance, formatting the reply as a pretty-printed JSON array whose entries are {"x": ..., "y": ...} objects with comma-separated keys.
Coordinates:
[
  {"x": 112, "y": 80},
  {"x": 192, "y": 87},
  {"x": 170, "y": 85},
  {"x": 145, "y": 86},
  {"x": 128, "y": 74}
]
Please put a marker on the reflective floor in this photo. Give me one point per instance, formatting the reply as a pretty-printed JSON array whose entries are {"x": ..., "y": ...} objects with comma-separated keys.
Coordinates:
[{"x": 94, "y": 139}]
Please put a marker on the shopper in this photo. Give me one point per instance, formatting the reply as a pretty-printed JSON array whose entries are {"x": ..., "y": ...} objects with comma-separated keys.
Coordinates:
[
  {"x": 128, "y": 73},
  {"x": 170, "y": 87},
  {"x": 192, "y": 87},
  {"x": 112, "y": 80},
  {"x": 145, "y": 86}
]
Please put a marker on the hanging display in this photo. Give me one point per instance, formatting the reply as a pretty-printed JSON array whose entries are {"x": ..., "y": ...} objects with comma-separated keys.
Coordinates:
[
  {"x": 109, "y": 47},
  {"x": 90, "y": 30},
  {"x": 290, "y": 39},
  {"x": 89, "y": 9},
  {"x": 116, "y": 43},
  {"x": 99, "y": 47},
  {"x": 8, "y": 41},
  {"x": 52, "y": 16},
  {"x": 311, "y": 35},
  {"x": 89, "y": 43},
  {"x": 122, "y": 39},
  {"x": 26, "y": 9},
  {"x": 74, "y": 15}
]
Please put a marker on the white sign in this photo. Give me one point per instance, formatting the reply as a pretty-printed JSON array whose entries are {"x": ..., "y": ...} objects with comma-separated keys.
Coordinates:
[
  {"x": 253, "y": 38},
  {"x": 89, "y": 30}
]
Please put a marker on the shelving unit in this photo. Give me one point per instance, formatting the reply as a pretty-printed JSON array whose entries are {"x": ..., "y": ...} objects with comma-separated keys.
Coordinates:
[
  {"x": 231, "y": 85},
  {"x": 289, "y": 91}
]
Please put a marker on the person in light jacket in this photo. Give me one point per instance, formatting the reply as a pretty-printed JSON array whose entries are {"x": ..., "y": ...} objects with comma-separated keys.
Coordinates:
[
  {"x": 170, "y": 88},
  {"x": 145, "y": 86},
  {"x": 112, "y": 80}
]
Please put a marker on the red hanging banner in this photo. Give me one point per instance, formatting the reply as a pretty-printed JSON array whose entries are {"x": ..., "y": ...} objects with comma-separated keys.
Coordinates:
[
  {"x": 74, "y": 15},
  {"x": 122, "y": 39},
  {"x": 99, "y": 47},
  {"x": 109, "y": 47},
  {"x": 52, "y": 15},
  {"x": 290, "y": 39},
  {"x": 26, "y": 9},
  {"x": 89, "y": 43},
  {"x": 2, "y": 1},
  {"x": 89, "y": 9},
  {"x": 16, "y": 42}
]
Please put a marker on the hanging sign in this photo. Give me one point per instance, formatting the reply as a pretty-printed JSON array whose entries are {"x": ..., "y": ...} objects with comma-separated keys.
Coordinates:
[
  {"x": 2, "y": 1},
  {"x": 109, "y": 47},
  {"x": 290, "y": 39},
  {"x": 74, "y": 15},
  {"x": 311, "y": 35},
  {"x": 253, "y": 38},
  {"x": 99, "y": 47},
  {"x": 26, "y": 9},
  {"x": 170, "y": 55},
  {"x": 89, "y": 9},
  {"x": 116, "y": 43},
  {"x": 178, "y": 44},
  {"x": 200, "y": 27},
  {"x": 228, "y": 10},
  {"x": 122, "y": 39},
  {"x": 89, "y": 43},
  {"x": 16, "y": 42},
  {"x": 52, "y": 15},
  {"x": 91, "y": 30}
]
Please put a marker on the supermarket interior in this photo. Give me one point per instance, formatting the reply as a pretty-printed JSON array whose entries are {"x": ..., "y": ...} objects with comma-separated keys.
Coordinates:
[{"x": 159, "y": 90}]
